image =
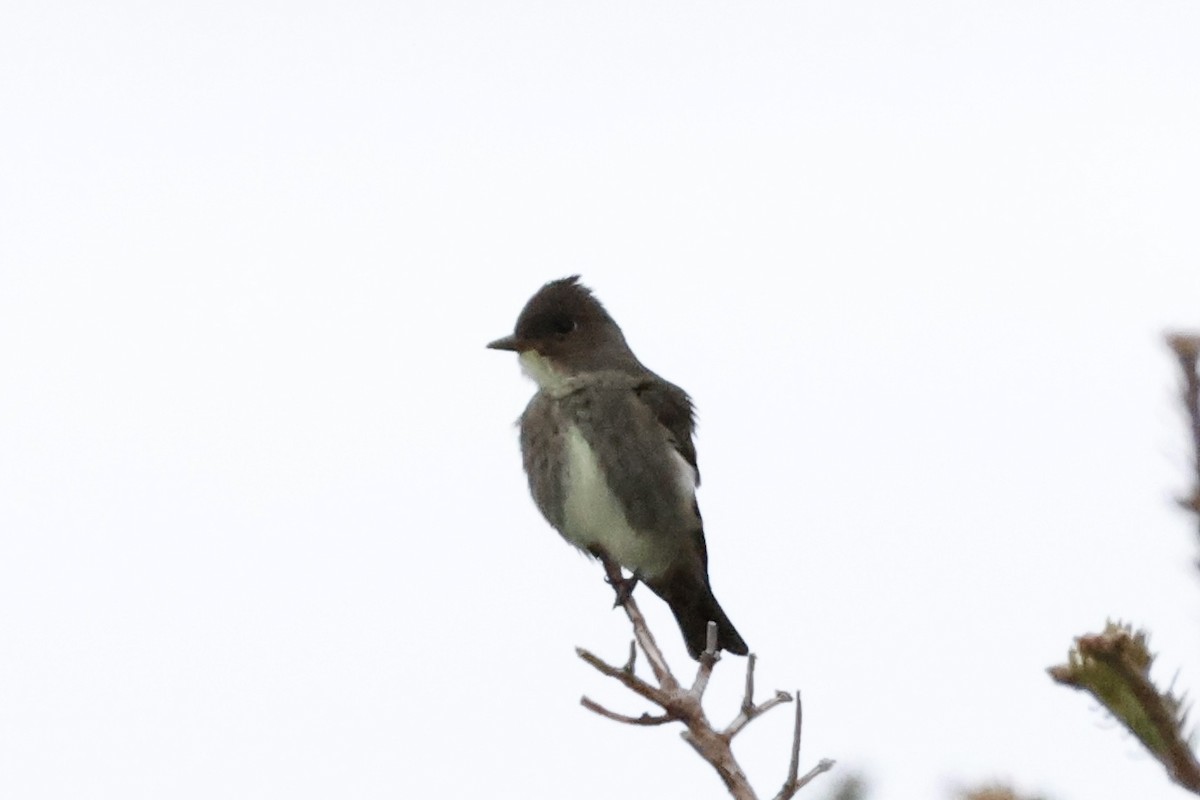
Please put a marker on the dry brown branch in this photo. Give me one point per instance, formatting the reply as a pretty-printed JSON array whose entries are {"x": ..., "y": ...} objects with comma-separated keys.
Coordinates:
[
  {"x": 793, "y": 783},
  {"x": 708, "y": 659},
  {"x": 686, "y": 705},
  {"x": 1187, "y": 352},
  {"x": 749, "y": 710},
  {"x": 644, "y": 719}
]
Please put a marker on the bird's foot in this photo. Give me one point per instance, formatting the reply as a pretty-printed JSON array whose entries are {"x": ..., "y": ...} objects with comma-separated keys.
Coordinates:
[{"x": 624, "y": 587}]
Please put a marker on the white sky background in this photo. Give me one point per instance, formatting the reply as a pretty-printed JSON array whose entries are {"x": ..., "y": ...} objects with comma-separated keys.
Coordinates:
[{"x": 263, "y": 527}]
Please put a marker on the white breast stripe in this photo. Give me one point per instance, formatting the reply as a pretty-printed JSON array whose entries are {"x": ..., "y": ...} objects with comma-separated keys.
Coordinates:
[
  {"x": 593, "y": 515},
  {"x": 684, "y": 474}
]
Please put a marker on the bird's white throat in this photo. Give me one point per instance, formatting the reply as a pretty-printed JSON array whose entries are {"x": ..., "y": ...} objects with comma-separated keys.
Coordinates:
[{"x": 542, "y": 370}]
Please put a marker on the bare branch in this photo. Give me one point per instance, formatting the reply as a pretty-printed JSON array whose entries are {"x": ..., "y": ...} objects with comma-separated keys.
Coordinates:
[
  {"x": 715, "y": 750},
  {"x": 631, "y": 681},
  {"x": 684, "y": 705},
  {"x": 708, "y": 660},
  {"x": 641, "y": 631},
  {"x": 793, "y": 783},
  {"x": 824, "y": 765},
  {"x": 794, "y": 768},
  {"x": 748, "y": 715},
  {"x": 1187, "y": 352},
  {"x": 644, "y": 719},
  {"x": 749, "y": 710},
  {"x": 748, "y": 697}
]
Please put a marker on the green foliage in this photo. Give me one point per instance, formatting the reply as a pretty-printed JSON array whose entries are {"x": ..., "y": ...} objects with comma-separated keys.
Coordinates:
[{"x": 1114, "y": 667}]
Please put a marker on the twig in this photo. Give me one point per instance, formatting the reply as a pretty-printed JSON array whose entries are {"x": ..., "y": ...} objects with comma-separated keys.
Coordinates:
[
  {"x": 749, "y": 710},
  {"x": 631, "y": 681},
  {"x": 789, "y": 786},
  {"x": 748, "y": 696},
  {"x": 824, "y": 765},
  {"x": 1187, "y": 352},
  {"x": 644, "y": 719},
  {"x": 793, "y": 783},
  {"x": 641, "y": 631},
  {"x": 708, "y": 660}
]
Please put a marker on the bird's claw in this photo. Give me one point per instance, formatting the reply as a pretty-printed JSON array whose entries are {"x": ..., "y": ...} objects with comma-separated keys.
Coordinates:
[{"x": 624, "y": 588}]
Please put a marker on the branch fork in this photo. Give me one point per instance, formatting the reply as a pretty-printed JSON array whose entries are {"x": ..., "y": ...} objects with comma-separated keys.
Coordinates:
[{"x": 685, "y": 705}]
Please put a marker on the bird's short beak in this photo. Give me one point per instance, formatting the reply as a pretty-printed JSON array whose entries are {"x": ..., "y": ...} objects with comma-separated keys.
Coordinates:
[{"x": 506, "y": 343}]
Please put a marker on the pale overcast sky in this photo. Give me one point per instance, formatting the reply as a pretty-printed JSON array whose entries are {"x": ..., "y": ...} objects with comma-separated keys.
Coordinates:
[{"x": 263, "y": 526}]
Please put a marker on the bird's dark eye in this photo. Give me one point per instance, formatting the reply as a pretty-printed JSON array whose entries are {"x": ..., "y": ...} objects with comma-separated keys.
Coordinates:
[{"x": 563, "y": 325}]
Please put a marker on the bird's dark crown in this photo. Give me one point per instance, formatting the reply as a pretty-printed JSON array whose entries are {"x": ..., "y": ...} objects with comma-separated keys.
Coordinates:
[
  {"x": 565, "y": 324},
  {"x": 559, "y": 309}
]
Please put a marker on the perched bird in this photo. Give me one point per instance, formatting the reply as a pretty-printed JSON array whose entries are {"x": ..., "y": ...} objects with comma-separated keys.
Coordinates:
[{"x": 607, "y": 446}]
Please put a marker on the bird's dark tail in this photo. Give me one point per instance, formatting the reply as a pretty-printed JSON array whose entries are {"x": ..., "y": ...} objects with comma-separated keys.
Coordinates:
[{"x": 693, "y": 604}]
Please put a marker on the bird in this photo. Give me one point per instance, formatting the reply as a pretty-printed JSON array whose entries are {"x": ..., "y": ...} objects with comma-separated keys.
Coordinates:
[{"x": 607, "y": 448}]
